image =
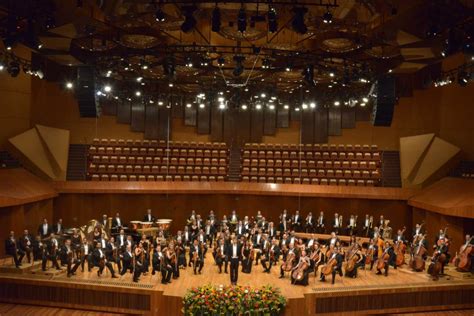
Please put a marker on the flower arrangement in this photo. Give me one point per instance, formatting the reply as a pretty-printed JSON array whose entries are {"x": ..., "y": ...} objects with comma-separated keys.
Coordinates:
[{"x": 233, "y": 300}]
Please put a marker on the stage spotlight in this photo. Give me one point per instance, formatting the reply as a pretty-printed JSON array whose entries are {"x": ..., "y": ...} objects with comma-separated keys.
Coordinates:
[
  {"x": 266, "y": 63},
  {"x": 463, "y": 78},
  {"x": 272, "y": 20},
  {"x": 216, "y": 19},
  {"x": 239, "y": 67},
  {"x": 337, "y": 103},
  {"x": 298, "y": 23},
  {"x": 160, "y": 15},
  {"x": 189, "y": 105},
  {"x": 69, "y": 85},
  {"x": 312, "y": 105},
  {"x": 189, "y": 19},
  {"x": 221, "y": 62},
  {"x": 39, "y": 73},
  {"x": 221, "y": 106},
  {"x": 9, "y": 42},
  {"x": 271, "y": 107},
  {"x": 242, "y": 20},
  {"x": 2, "y": 66},
  {"x": 189, "y": 62},
  {"x": 244, "y": 107},
  {"x": 107, "y": 88},
  {"x": 365, "y": 99},
  {"x": 327, "y": 17},
  {"x": 258, "y": 106},
  {"x": 288, "y": 67},
  {"x": 202, "y": 106},
  {"x": 50, "y": 22},
  {"x": 286, "y": 107},
  {"x": 13, "y": 68},
  {"x": 169, "y": 66}
]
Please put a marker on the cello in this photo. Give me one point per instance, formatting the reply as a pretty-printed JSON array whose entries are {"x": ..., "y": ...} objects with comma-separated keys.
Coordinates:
[
  {"x": 288, "y": 264},
  {"x": 381, "y": 261},
  {"x": 329, "y": 266},
  {"x": 462, "y": 261},
  {"x": 298, "y": 272}
]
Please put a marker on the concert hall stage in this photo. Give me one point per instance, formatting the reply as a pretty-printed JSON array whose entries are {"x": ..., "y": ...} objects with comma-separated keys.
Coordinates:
[{"x": 401, "y": 291}]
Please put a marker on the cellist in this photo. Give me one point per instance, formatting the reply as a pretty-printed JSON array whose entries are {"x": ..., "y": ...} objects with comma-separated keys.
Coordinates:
[
  {"x": 335, "y": 259},
  {"x": 303, "y": 265},
  {"x": 359, "y": 260}
]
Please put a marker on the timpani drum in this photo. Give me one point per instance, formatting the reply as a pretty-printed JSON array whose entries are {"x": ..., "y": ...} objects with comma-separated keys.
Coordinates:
[
  {"x": 164, "y": 223},
  {"x": 146, "y": 224},
  {"x": 136, "y": 224}
]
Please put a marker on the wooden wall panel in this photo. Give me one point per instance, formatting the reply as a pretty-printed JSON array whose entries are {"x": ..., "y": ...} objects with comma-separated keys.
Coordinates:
[
  {"x": 179, "y": 206},
  {"x": 269, "y": 122},
  {"x": 217, "y": 125},
  {"x": 177, "y": 107},
  {"x": 295, "y": 115},
  {"x": 124, "y": 112},
  {"x": 283, "y": 118},
  {"x": 321, "y": 125},
  {"x": 164, "y": 123},
  {"x": 334, "y": 121},
  {"x": 138, "y": 117},
  {"x": 348, "y": 117},
  {"x": 151, "y": 121},
  {"x": 363, "y": 113},
  {"x": 243, "y": 127},
  {"x": 204, "y": 120},
  {"x": 190, "y": 116},
  {"x": 307, "y": 126},
  {"x": 256, "y": 126},
  {"x": 229, "y": 122},
  {"x": 109, "y": 107}
]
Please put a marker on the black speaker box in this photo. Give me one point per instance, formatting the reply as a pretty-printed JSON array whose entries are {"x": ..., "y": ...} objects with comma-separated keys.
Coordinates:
[
  {"x": 385, "y": 102},
  {"x": 85, "y": 92}
]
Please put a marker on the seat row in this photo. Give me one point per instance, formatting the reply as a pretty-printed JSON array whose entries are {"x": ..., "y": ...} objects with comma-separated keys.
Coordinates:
[
  {"x": 320, "y": 164},
  {"x": 320, "y": 181},
  {"x": 312, "y": 173},
  {"x": 157, "y": 143},
  {"x": 311, "y": 147},
  {"x": 138, "y": 169},
  {"x": 132, "y": 160},
  {"x": 318, "y": 155},
  {"x": 160, "y": 152},
  {"x": 137, "y": 177}
]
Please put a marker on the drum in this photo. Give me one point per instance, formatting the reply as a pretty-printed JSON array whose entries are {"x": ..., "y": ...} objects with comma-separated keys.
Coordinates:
[
  {"x": 136, "y": 224},
  {"x": 164, "y": 223},
  {"x": 146, "y": 224}
]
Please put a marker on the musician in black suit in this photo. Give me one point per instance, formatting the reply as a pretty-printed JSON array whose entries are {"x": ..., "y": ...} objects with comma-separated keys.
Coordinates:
[
  {"x": 44, "y": 230},
  {"x": 285, "y": 221},
  {"x": 71, "y": 261},
  {"x": 112, "y": 253},
  {"x": 38, "y": 248},
  {"x": 12, "y": 249},
  {"x": 336, "y": 223},
  {"x": 309, "y": 223},
  {"x": 221, "y": 256},
  {"x": 26, "y": 244},
  {"x": 99, "y": 260},
  {"x": 271, "y": 230},
  {"x": 240, "y": 230},
  {"x": 321, "y": 223},
  {"x": 105, "y": 221},
  {"x": 51, "y": 252},
  {"x": 127, "y": 260},
  {"x": 197, "y": 256},
  {"x": 86, "y": 255},
  {"x": 270, "y": 256},
  {"x": 58, "y": 228},
  {"x": 337, "y": 269},
  {"x": 117, "y": 222},
  {"x": 257, "y": 241},
  {"x": 296, "y": 221},
  {"x": 148, "y": 216},
  {"x": 391, "y": 258},
  {"x": 234, "y": 253}
]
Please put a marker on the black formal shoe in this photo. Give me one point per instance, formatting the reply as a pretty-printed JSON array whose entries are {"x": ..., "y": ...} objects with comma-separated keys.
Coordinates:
[
  {"x": 114, "y": 277},
  {"x": 98, "y": 273},
  {"x": 282, "y": 276},
  {"x": 379, "y": 273},
  {"x": 386, "y": 274},
  {"x": 153, "y": 272},
  {"x": 322, "y": 280},
  {"x": 164, "y": 282},
  {"x": 135, "y": 280},
  {"x": 69, "y": 275}
]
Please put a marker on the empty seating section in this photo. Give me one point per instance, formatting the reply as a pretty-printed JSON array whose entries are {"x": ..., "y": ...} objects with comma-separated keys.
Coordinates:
[
  {"x": 326, "y": 164},
  {"x": 151, "y": 160}
]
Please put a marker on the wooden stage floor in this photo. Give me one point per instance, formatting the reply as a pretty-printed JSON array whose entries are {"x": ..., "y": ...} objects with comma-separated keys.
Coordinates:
[{"x": 367, "y": 282}]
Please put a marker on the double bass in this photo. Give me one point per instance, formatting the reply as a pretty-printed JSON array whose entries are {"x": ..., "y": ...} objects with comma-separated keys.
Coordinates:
[
  {"x": 417, "y": 262},
  {"x": 400, "y": 248},
  {"x": 381, "y": 261},
  {"x": 462, "y": 261}
]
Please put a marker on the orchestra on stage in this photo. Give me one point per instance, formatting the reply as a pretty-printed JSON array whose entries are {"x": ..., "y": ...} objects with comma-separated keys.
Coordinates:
[{"x": 298, "y": 246}]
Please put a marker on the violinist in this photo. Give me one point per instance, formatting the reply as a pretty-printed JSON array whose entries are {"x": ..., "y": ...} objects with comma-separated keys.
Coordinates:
[
  {"x": 99, "y": 260},
  {"x": 386, "y": 259},
  {"x": 168, "y": 263},
  {"x": 248, "y": 254},
  {"x": 354, "y": 262},
  {"x": 72, "y": 261},
  {"x": 334, "y": 266},
  {"x": 270, "y": 256},
  {"x": 127, "y": 260},
  {"x": 209, "y": 231},
  {"x": 12, "y": 249},
  {"x": 51, "y": 252},
  {"x": 271, "y": 231},
  {"x": 111, "y": 253},
  {"x": 220, "y": 255},
  {"x": 258, "y": 244},
  {"x": 146, "y": 254},
  {"x": 197, "y": 256},
  {"x": 180, "y": 254},
  {"x": 300, "y": 272},
  {"x": 263, "y": 224},
  {"x": 85, "y": 255}
]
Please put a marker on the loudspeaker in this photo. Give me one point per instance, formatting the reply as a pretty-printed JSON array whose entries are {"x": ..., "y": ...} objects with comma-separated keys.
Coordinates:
[
  {"x": 385, "y": 103},
  {"x": 85, "y": 92}
]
